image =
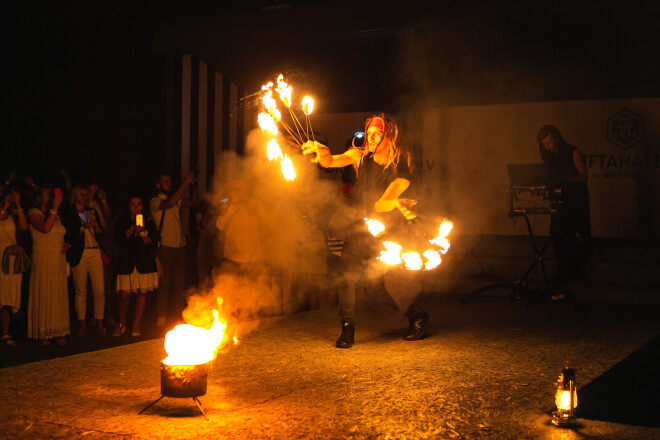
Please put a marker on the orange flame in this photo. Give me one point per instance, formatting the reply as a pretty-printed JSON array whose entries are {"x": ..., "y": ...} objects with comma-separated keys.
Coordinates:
[
  {"x": 412, "y": 260},
  {"x": 441, "y": 239},
  {"x": 308, "y": 105},
  {"x": 287, "y": 169},
  {"x": 274, "y": 151},
  {"x": 374, "y": 226},
  {"x": 271, "y": 105},
  {"x": 391, "y": 254},
  {"x": 284, "y": 91},
  {"x": 186, "y": 344},
  {"x": 433, "y": 259},
  {"x": 267, "y": 123}
]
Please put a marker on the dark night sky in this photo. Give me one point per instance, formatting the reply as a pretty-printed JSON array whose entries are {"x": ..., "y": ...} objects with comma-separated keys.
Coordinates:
[{"x": 83, "y": 85}]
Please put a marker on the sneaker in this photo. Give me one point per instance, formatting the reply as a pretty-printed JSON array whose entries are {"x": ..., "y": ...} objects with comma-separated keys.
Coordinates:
[{"x": 160, "y": 321}]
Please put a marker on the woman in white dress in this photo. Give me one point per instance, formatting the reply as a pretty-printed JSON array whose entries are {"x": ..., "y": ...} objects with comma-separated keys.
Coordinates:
[
  {"x": 12, "y": 218},
  {"x": 48, "y": 314}
]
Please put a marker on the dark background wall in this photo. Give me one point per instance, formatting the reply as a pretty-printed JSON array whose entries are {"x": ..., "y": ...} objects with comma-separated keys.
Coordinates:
[{"x": 93, "y": 88}]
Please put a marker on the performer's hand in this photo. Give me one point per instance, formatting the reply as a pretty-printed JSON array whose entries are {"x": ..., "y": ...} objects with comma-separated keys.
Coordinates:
[
  {"x": 322, "y": 153},
  {"x": 405, "y": 208}
]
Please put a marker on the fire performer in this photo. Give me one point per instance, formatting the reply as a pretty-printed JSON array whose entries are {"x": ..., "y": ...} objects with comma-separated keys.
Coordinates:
[{"x": 383, "y": 177}]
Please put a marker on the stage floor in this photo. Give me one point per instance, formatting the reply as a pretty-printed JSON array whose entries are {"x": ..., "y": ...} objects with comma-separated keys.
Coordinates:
[{"x": 486, "y": 370}]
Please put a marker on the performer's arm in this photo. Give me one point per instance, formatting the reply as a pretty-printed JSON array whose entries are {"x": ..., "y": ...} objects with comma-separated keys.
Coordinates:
[
  {"x": 390, "y": 199},
  {"x": 327, "y": 160}
]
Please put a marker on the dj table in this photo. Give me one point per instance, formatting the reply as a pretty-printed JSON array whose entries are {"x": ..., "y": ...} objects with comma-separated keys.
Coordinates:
[{"x": 524, "y": 202}]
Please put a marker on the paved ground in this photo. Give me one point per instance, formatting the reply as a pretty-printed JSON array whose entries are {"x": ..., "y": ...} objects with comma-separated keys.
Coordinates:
[{"x": 485, "y": 372}]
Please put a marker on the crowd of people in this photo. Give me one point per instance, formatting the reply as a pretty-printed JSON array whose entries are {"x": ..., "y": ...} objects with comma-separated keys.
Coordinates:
[{"x": 57, "y": 239}]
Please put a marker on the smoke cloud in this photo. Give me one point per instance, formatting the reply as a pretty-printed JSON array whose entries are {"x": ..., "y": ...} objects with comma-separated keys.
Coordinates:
[{"x": 288, "y": 256}]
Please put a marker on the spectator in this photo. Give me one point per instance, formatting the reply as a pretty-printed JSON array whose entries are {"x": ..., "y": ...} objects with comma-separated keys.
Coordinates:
[
  {"x": 12, "y": 218},
  {"x": 84, "y": 255},
  {"x": 136, "y": 265},
  {"x": 208, "y": 247},
  {"x": 98, "y": 200},
  {"x": 165, "y": 208},
  {"x": 48, "y": 311},
  {"x": 240, "y": 224}
]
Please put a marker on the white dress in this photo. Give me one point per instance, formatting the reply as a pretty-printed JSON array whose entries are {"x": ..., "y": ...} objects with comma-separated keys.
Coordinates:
[
  {"x": 10, "y": 284},
  {"x": 48, "y": 314}
]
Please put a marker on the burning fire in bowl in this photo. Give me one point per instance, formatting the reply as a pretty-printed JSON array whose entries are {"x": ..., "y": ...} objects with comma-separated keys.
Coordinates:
[{"x": 190, "y": 350}]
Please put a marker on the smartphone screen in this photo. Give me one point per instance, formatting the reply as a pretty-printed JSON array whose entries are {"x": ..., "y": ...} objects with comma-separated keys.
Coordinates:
[
  {"x": 58, "y": 192},
  {"x": 138, "y": 220}
]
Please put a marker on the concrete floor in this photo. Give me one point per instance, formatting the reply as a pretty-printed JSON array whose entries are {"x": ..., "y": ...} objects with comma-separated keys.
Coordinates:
[{"x": 486, "y": 371}]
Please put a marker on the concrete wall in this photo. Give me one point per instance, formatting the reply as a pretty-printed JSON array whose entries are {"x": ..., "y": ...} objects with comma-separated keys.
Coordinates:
[{"x": 466, "y": 150}]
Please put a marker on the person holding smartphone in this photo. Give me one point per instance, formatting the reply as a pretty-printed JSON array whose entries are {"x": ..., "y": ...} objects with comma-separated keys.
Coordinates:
[
  {"x": 83, "y": 232},
  {"x": 166, "y": 210},
  {"x": 137, "y": 272}
]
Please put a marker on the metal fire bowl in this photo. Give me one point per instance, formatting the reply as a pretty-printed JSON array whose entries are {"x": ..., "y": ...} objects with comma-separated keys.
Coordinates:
[{"x": 183, "y": 380}]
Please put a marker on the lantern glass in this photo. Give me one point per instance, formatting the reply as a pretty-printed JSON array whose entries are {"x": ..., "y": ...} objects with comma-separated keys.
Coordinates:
[{"x": 563, "y": 399}]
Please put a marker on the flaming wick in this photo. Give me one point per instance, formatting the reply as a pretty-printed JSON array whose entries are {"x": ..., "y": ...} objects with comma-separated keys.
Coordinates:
[{"x": 307, "y": 108}]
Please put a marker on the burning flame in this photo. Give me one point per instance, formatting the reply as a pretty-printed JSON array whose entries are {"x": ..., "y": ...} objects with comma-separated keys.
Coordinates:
[
  {"x": 563, "y": 400},
  {"x": 284, "y": 90},
  {"x": 428, "y": 260},
  {"x": 433, "y": 259},
  {"x": 308, "y": 105},
  {"x": 267, "y": 123},
  {"x": 271, "y": 105},
  {"x": 274, "y": 151},
  {"x": 374, "y": 226},
  {"x": 392, "y": 254},
  {"x": 412, "y": 260},
  {"x": 287, "y": 169},
  {"x": 186, "y": 344},
  {"x": 441, "y": 239}
]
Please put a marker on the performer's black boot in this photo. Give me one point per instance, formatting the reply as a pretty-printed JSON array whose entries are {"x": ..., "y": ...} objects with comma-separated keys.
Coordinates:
[
  {"x": 417, "y": 326},
  {"x": 347, "y": 337}
]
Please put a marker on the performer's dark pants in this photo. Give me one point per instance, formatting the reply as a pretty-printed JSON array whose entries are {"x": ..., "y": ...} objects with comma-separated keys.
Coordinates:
[{"x": 359, "y": 250}]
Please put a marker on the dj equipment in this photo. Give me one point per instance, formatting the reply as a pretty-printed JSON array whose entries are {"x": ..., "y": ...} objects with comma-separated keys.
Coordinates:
[{"x": 526, "y": 200}]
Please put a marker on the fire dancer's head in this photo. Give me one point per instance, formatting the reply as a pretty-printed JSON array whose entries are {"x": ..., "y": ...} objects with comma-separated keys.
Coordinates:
[
  {"x": 549, "y": 139},
  {"x": 382, "y": 132},
  {"x": 135, "y": 206},
  {"x": 164, "y": 183}
]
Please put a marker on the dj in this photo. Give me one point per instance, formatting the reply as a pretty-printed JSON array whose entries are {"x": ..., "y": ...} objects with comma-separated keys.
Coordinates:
[
  {"x": 567, "y": 171},
  {"x": 383, "y": 176}
]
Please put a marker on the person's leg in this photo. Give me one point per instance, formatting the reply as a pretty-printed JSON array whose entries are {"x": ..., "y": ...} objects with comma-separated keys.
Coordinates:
[
  {"x": 351, "y": 264},
  {"x": 124, "y": 302},
  {"x": 5, "y": 317},
  {"x": 167, "y": 258},
  {"x": 79, "y": 274},
  {"x": 140, "y": 302},
  {"x": 98, "y": 287},
  {"x": 111, "y": 299},
  {"x": 179, "y": 267}
]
